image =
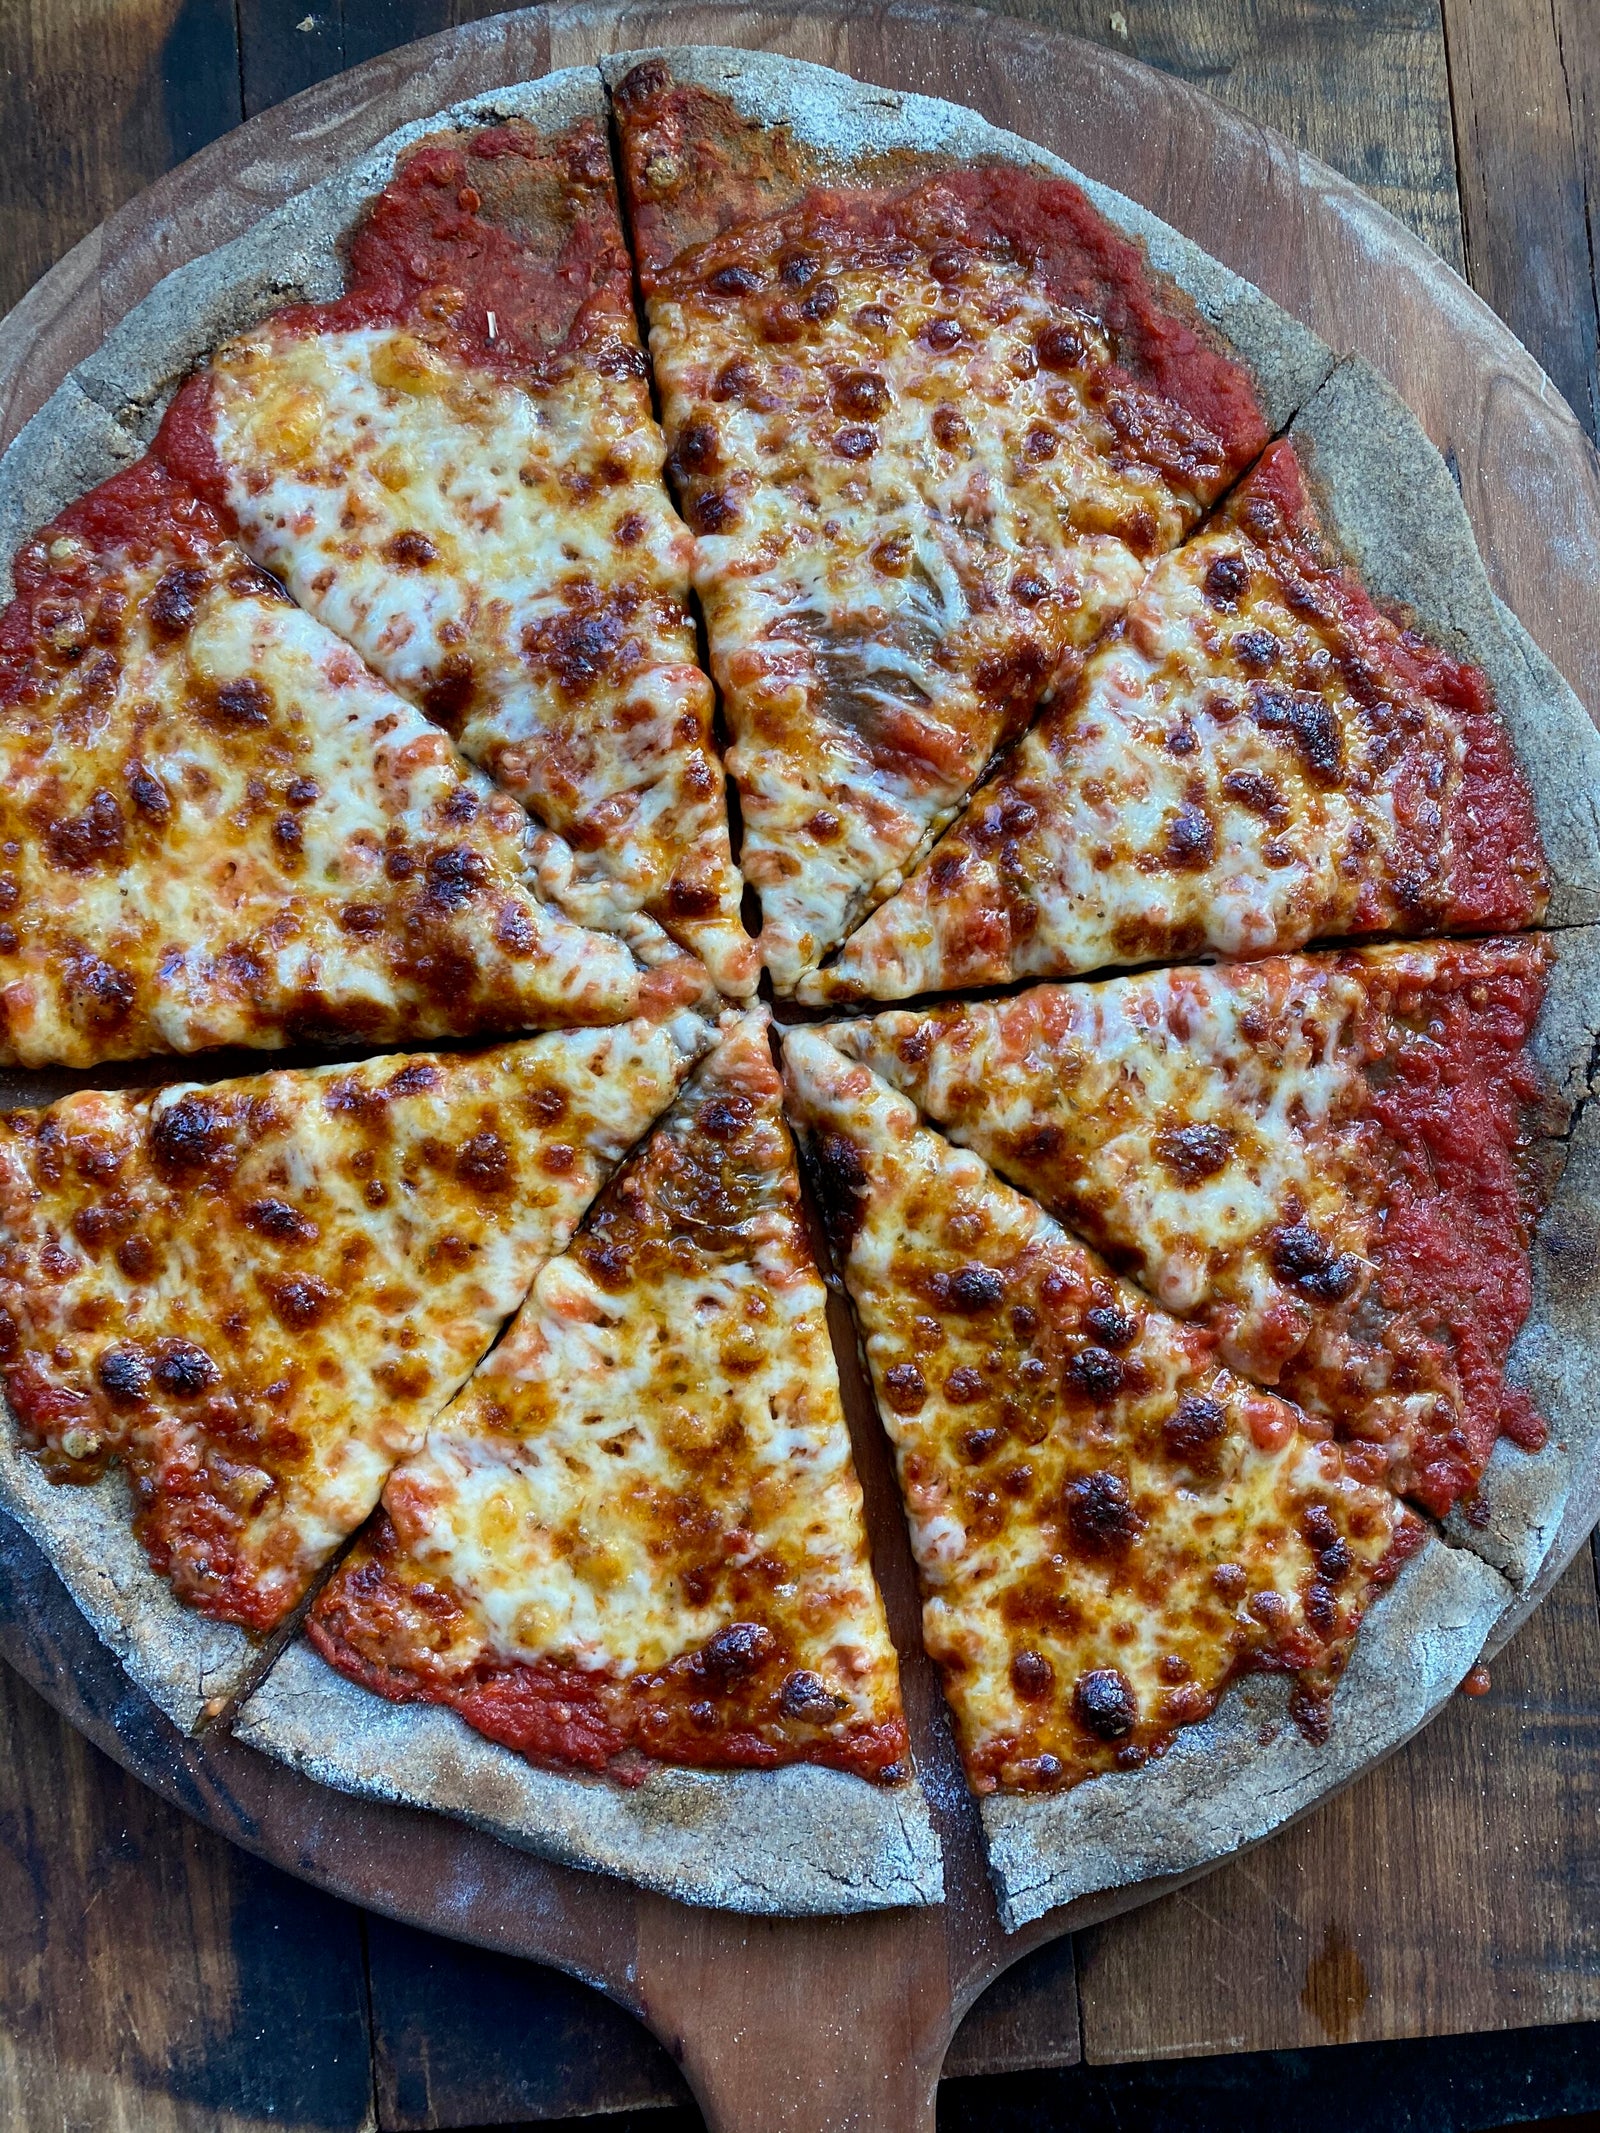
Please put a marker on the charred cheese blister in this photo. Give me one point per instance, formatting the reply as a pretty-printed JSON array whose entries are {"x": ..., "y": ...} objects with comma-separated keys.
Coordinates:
[
  {"x": 1323, "y": 1158},
  {"x": 219, "y": 828},
  {"x": 455, "y": 467},
  {"x": 638, "y": 1531},
  {"x": 1109, "y": 1525},
  {"x": 1256, "y": 758},
  {"x": 256, "y": 1294},
  {"x": 922, "y": 434}
]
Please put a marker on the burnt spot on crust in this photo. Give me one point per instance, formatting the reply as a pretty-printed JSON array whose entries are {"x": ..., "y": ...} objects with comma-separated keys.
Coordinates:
[
  {"x": 279, "y": 1221},
  {"x": 582, "y": 647},
  {"x": 1096, "y": 1373},
  {"x": 455, "y": 876},
  {"x": 1032, "y": 1676},
  {"x": 300, "y": 1302},
  {"x": 806, "y": 1698},
  {"x": 1111, "y": 1325},
  {"x": 1194, "y": 1152},
  {"x": 448, "y": 697},
  {"x": 244, "y": 702},
  {"x": 906, "y": 1387},
  {"x": 148, "y": 794},
  {"x": 969, "y": 1290},
  {"x": 1227, "y": 580},
  {"x": 1101, "y": 1516},
  {"x": 1191, "y": 839},
  {"x": 735, "y": 1653},
  {"x": 410, "y": 550}
]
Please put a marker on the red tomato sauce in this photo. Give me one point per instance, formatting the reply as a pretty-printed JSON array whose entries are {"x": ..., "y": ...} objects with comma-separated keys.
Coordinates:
[
  {"x": 1497, "y": 874},
  {"x": 1458, "y": 1212},
  {"x": 68, "y": 607},
  {"x": 570, "y": 1718}
]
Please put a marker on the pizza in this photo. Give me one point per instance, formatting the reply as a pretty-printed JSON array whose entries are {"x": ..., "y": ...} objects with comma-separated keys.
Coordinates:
[
  {"x": 256, "y": 1294},
  {"x": 453, "y": 464},
  {"x": 1324, "y": 1159},
  {"x": 1256, "y": 757},
  {"x": 1109, "y": 1525},
  {"x": 637, "y": 1534},
  {"x": 929, "y": 425},
  {"x": 1187, "y": 1279},
  {"x": 218, "y": 827}
]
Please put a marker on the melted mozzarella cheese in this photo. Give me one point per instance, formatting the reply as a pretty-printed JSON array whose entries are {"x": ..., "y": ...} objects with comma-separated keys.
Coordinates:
[
  {"x": 1213, "y": 782},
  {"x": 1107, "y": 1524},
  {"x": 270, "y": 1286},
  {"x": 505, "y": 555},
  {"x": 225, "y": 830},
  {"x": 658, "y": 1444},
  {"x": 908, "y": 528}
]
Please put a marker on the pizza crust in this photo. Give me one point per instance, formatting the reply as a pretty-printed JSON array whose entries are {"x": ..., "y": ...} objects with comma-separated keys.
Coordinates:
[
  {"x": 1248, "y": 1769},
  {"x": 181, "y": 1660},
  {"x": 847, "y": 121},
  {"x": 108, "y": 408},
  {"x": 1536, "y": 1508},
  {"x": 1387, "y": 500},
  {"x": 800, "y": 1841}
]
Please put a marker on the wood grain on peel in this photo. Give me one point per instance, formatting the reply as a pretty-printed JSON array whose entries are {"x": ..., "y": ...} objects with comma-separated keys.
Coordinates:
[
  {"x": 1446, "y": 1891},
  {"x": 1525, "y": 82},
  {"x": 153, "y": 1978},
  {"x": 98, "y": 98}
]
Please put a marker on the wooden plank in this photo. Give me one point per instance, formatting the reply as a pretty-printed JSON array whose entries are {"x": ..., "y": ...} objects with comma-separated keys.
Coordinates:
[
  {"x": 1365, "y": 89},
  {"x": 1450, "y": 1890},
  {"x": 154, "y": 1979},
  {"x": 97, "y": 98},
  {"x": 287, "y": 45},
  {"x": 1525, "y": 75}
]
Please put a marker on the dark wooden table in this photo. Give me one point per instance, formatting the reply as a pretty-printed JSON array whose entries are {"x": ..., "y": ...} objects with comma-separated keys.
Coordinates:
[{"x": 153, "y": 1978}]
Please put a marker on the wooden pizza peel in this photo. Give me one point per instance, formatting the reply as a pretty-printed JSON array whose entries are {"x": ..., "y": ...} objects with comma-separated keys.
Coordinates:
[{"x": 808, "y": 2024}]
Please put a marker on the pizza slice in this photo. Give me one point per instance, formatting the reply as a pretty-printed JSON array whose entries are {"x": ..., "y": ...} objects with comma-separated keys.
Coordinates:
[
  {"x": 932, "y": 414},
  {"x": 1325, "y": 1159},
  {"x": 1259, "y": 756},
  {"x": 1109, "y": 1525},
  {"x": 254, "y": 1295},
  {"x": 217, "y": 827},
  {"x": 637, "y": 1535},
  {"x": 454, "y": 466}
]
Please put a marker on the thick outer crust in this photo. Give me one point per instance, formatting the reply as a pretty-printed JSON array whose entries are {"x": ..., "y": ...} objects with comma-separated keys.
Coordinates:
[
  {"x": 1387, "y": 500},
  {"x": 107, "y": 409},
  {"x": 799, "y": 1841},
  {"x": 1536, "y": 1509},
  {"x": 1221, "y": 1785},
  {"x": 180, "y": 1660},
  {"x": 848, "y": 122}
]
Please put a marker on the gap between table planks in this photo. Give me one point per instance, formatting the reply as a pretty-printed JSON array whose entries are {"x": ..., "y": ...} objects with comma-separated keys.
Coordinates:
[{"x": 1030, "y": 84}]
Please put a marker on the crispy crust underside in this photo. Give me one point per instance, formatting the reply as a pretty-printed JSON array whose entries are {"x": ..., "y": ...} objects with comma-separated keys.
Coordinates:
[
  {"x": 804, "y": 1839},
  {"x": 800, "y": 1841}
]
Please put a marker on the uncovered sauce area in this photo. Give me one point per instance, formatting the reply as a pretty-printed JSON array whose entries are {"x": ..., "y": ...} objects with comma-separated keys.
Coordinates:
[
  {"x": 1498, "y": 877},
  {"x": 735, "y": 1704},
  {"x": 1454, "y": 1100}
]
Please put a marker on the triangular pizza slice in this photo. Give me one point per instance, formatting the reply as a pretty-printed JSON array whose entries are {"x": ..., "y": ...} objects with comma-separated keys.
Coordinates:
[
  {"x": 1258, "y": 757},
  {"x": 256, "y": 1294},
  {"x": 638, "y": 1533},
  {"x": 1323, "y": 1158},
  {"x": 455, "y": 466},
  {"x": 217, "y": 827},
  {"x": 1109, "y": 1525},
  {"x": 931, "y": 416}
]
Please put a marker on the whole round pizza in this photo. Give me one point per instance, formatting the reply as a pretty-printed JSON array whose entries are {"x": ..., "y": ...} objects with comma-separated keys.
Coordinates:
[{"x": 695, "y": 625}]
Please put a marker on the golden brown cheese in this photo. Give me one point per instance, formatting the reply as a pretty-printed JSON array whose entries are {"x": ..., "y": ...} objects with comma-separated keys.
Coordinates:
[
  {"x": 928, "y": 428},
  {"x": 1277, "y": 1149},
  {"x": 638, "y": 1531},
  {"x": 1108, "y": 1524},
  {"x": 257, "y": 1293},
  {"x": 217, "y": 827},
  {"x": 1254, "y": 759},
  {"x": 455, "y": 467}
]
